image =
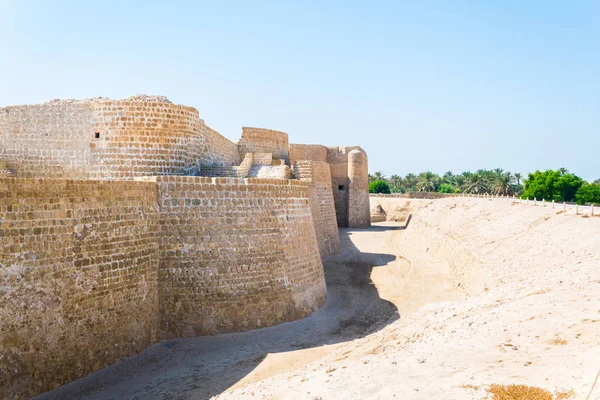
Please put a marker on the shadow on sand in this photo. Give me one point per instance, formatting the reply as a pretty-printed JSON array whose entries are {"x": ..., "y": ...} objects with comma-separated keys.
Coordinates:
[{"x": 198, "y": 368}]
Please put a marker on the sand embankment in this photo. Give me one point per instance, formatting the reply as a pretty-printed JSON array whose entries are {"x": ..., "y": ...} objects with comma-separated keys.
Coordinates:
[{"x": 531, "y": 313}]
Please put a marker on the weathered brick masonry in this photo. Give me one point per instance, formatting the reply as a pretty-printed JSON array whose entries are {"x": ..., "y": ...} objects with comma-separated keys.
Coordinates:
[
  {"x": 258, "y": 140},
  {"x": 323, "y": 210},
  {"x": 110, "y": 240},
  {"x": 349, "y": 180},
  {"x": 78, "y": 279},
  {"x": 109, "y": 139},
  {"x": 236, "y": 254}
]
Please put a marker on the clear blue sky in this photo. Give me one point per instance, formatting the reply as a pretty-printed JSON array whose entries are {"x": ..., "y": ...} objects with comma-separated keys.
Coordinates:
[{"x": 421, "y": 85}]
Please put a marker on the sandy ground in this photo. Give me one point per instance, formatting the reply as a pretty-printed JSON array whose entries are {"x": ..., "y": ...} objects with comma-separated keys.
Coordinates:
[{"x": 473, "y": 292}]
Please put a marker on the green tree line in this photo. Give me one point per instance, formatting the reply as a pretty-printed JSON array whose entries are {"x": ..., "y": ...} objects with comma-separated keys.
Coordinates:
[{"x": 558, "y": 185}]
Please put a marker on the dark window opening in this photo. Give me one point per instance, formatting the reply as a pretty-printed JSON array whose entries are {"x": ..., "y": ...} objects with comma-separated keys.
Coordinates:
[
  {"x": 341, "y": 187},
  {"x": 97, "y": 135}
]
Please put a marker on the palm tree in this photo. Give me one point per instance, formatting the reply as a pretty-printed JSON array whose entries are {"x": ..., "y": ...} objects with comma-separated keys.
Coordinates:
[
  {"x": 518, "y": 177},
  {"x": 448, "y": 178},
  {"x": 410, "y": 182},
  {"x": 396, "y": 183},
  {"x": 428, "y": 182},
  {"x": 379, "y": 175},
  {"x": 474, "y": 183},
  {"x": 501, "y": 183},
  {"x": 458, "y": 181}
]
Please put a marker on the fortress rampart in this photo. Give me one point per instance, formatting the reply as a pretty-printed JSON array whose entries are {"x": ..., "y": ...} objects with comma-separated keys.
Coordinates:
[
  {"x": 78, "y": 278},
  {"x": 235, "y": 254},
  {"x": 258, "y": 140},
  {"x": 109, "y": 139},
  {"x": 218, "y": 150},
  {"x": 129, "y": 221},
  {"x": 321, "y": 200},
  {"x": 313, "y": 152},
  {"x": 349, "y": 180}
]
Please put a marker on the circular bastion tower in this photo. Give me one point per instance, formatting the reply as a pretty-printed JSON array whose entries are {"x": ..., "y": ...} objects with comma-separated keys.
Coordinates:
[{"x": 358, "y": 202}]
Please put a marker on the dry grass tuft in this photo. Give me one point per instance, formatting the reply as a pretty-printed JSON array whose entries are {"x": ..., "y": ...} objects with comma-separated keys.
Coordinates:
[
  {"x": 524, "y": 392},
  {"x": 557, "y": 341},
  {"x": 474, "y": 387},
  {"x": 564, "y": 395}
]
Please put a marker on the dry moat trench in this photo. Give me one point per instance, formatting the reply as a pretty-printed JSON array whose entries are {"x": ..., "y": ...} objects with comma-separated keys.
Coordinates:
[{"x": 374, "y": 281}]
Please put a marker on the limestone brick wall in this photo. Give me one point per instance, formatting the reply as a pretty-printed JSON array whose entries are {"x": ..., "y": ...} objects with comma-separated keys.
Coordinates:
[
  {"x": 359, "y": 215},
  {"x": 78, "y": 278},
  {"x": 314, "y": 152},
  {"x": 322, "y": 204},
  {"x": 103, "y": 139},
  {"x": 218, "y": 150},
  {"x": 258, "y": 140},
  {"x": 51, "y": 139},
  {"x": 143, "y": 138},
  {"x": 220, "y": 170},
  {"x": 109, "y": 139},
  {"x": 262, "y": 158},
  {"x": 338, "y": 163},
  {"x": 270, "y": 171},
  {"x": 236, "y": 254}
]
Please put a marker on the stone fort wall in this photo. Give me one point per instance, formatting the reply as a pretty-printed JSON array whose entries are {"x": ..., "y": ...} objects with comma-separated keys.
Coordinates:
[
  {"x": 94, "y": 271},
  {"x": 313, "y": 152},
  {"x": 217, "y": 150},
  {"x": 258, "y": 140},
  {"x": 109, "y": 139},
  {"x": 349, "y": 180},
  {"x": 78, "y": 279},
  {"x": 236, "y": 254},
  {"x": 318, "y": 175},
  {"x": 97, "y": 269}
]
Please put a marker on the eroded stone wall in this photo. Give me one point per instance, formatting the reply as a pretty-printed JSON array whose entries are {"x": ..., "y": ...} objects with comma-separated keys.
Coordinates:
[
  {"x": 258, "y": 140},
  {"x": 338, "y": 164},
  {"x": 321, "y": 201},
  {"x": 109, "y": 139},
  {"x": 314, "y": 152},
  {"x": 47, "y": 140},
  {"x": 78, "y": 279},
  {"x": 359, "y": 215},
  {"x": 349, "y": 180},
  {"x": 237, "y": 254},
  {"x": 218, "y": 150}
]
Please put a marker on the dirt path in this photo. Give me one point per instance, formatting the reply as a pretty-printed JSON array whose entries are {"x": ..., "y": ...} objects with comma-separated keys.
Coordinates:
[{"x": 373, "y": 281}]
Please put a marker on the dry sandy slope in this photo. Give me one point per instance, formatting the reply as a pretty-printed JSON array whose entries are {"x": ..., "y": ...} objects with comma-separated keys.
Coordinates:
[{"x": 532, "y": 315}]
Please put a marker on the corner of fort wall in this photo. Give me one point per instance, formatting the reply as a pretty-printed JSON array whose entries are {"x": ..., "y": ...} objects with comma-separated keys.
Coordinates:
[
  {"x": 236, "y": 254},
  {"x": 349, "y": 180},
  {"x": 322, "y": 204}
]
